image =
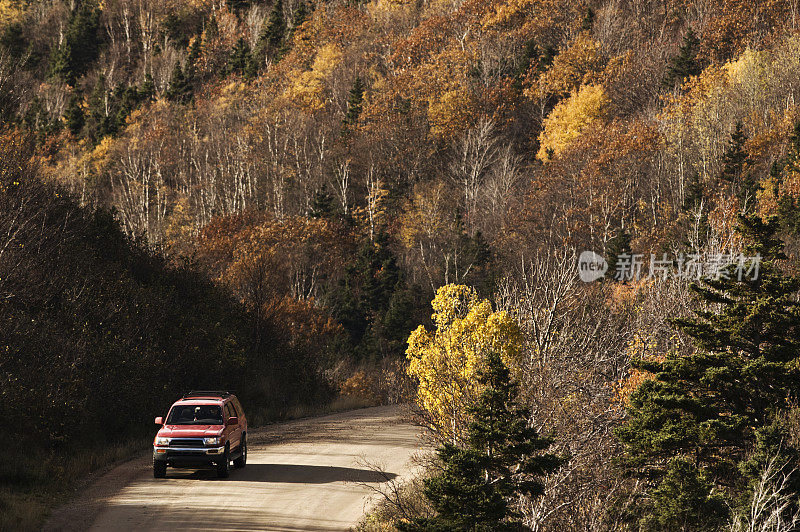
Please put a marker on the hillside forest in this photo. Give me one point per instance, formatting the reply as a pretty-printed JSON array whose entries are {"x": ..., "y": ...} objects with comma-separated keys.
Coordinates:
[{"x": 268, "y": 195}]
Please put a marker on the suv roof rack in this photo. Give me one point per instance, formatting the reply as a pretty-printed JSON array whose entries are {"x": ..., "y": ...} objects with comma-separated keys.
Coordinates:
[{"x": 207, "y": 393}]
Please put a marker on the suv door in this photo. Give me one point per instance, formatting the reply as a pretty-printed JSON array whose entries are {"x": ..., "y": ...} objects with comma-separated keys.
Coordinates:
[
  {"x": 237, "y": 406},
  {"x": 235, "y": 434}
]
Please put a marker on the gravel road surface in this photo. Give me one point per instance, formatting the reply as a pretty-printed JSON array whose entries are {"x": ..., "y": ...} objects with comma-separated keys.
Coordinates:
[{"x": 311, "y": 474}]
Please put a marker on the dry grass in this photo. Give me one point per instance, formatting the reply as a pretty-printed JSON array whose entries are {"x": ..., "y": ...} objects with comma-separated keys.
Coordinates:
[{"x": 36, "y": 480}]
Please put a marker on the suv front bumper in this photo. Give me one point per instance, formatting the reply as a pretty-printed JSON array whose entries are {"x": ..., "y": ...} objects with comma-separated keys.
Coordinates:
[{"x": 188, "y": 456}]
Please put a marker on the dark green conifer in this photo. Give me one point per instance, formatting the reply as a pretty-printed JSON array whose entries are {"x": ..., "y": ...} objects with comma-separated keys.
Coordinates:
[
  {"x": 691, "y": 429},
  {"x": 212, "y": 28},
  {"x": 530, "y": 53},
  {"x": 80, "y": 45},
  {"x": 546, "y": 59},
  {"x": 788, "y": 205},
  {"x": 300, "y": 15},
  {"x": 619, "y": 244},
  {"x": 588, "y": 20},
  {"x": 12, "y": 40},
  {"x": 363, "y": 295},
  {"x": 180, "y": 89},
  {"x": 125, "y": 101},
  {"x": 240, "y": 59},
  {"x": 175, "y": 30},
  {"x": 194, "y": 56},
  {"x": 322, "y": 204},
  {"x": 685, "y": 63},
  {"x": 502, "y": 459},
  {"x": 276, "y": 26},
  {"x": 74, "y": 115},
  {"x": 355, "y": 102},
  {"x": 734, "y": 162},
  {"x": 271, "y": 40},
  {"x": 147, "y": 92},
  {"x": 695, "y": 193},
  {"x": 97, "y": 124},
  {"x": 35, "y": 115}
]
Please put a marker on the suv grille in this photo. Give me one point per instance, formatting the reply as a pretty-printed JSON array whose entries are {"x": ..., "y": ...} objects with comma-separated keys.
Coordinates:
[{"x": 186, "y": 442}]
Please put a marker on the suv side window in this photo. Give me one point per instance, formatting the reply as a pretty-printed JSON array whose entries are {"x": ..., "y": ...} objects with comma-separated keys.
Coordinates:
[
  {"x": 228, "y": 410},
  {"x": 238, "y": 406},
  {"x": 235, "y": 410}
]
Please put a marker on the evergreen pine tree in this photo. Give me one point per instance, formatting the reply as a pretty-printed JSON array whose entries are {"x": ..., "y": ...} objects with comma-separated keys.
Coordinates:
[
  {"x": 501, "y": 459},
  {"x": 60, "y": 63},
  {"x": 788, "y": 205},
  {"x": 406, "y": 309},
  {"x": 734, "y": 161},
  {"x": 147, "y": 91},
  {"x": 793, "y": 157},
  {"x": 684, "y": 500},
  {"x": 36, "y": 117},
  {"x": 530, "y": 52},
  {"x": 180, "y": 89},
  {"x": 363, "y": 295},
  {"x": 271, "y": 40},
  {"x": 74, "y": 115},
  {"x": 176, "y": 31},
  {"x": 695, "y": 193},
  {"x": 240, "y": 59},
  {"x": 80, "y": 45},
  {"x": 276, "y": 27},
  {"x": 97, "y": 122},
  {"x": 322, "y": 204},
  {"x": 693, "y": 425},
  {"x": 12, "y": 40},
  {"x": 588, "y": 20},
  {"x": 684, "y": 64},
  {"x": 125, "y": 101},
  {"x": 546, "y": 59},
  {"x": 300, "y": 15},
  {"x": 354, "y": 102},
  {"x": 619, "y": 244},
  {"x": 194, "y": 56}
]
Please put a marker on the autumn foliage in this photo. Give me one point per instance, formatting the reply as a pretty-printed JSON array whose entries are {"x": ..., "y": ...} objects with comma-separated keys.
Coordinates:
[{"x": 330, "y": 166}]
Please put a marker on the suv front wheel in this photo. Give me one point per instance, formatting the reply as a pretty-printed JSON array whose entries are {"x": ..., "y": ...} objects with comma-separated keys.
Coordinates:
[
  {"x": 159, "y": 469},
  {"x": 242, "y": 460},
  {"x": 223, "y": 467}
]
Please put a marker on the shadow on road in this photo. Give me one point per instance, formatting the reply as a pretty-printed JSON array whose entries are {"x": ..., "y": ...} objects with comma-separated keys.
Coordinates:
[{"x": 290, "y": 474}]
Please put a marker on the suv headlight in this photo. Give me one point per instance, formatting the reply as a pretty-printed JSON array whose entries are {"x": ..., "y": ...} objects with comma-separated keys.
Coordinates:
[
  {"x": 211, "y": 441},
  {"x": 160, "y": 440}
]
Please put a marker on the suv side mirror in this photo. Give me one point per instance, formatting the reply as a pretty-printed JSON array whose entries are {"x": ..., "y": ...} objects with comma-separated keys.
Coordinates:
[
  {"x": 233, "y": 420},
  {"x": 159, "y": 420}
]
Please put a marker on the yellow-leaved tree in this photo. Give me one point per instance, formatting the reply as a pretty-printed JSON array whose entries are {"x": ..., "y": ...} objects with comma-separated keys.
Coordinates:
[
  {"x": 447, "y": 360},
  {"x": 570, "y": 118}
]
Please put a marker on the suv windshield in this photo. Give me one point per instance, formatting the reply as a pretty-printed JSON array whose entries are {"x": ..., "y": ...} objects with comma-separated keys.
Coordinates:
[{"x": 195, "y": 415}]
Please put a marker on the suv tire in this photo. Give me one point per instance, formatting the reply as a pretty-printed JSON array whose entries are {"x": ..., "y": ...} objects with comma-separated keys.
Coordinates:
[
  {"x": 223, "y": 467},
  {"x": 159, "y": 469},
  {"x": 242, "y": 460}
]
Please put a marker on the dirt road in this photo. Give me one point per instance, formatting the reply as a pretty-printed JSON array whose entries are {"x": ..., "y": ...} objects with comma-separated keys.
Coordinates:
[{"x": 310, "y": 474}]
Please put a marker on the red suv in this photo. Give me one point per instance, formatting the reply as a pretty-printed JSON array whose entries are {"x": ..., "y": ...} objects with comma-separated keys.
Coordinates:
[{"x": 202, "y": 428}]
